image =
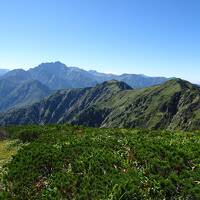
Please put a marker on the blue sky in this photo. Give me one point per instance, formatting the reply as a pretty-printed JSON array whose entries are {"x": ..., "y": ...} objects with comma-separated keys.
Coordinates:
[{"x": 152, "y": 37}]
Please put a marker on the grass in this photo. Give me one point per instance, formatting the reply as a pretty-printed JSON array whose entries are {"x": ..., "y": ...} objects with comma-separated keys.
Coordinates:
[{"x": 8, "y": 148}]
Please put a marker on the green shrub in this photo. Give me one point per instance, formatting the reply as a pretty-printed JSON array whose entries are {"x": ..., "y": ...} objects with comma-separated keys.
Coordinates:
[{"x": 71, "y": 162}]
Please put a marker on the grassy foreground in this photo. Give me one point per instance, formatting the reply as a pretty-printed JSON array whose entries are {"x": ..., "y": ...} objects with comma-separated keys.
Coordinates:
[
  {"x": 7, "y": 149},
  {"x": 71, "y": 162}
]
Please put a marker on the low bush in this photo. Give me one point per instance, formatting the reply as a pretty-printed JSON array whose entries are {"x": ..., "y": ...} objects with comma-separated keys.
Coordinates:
[{"x": 71, "y": 162}]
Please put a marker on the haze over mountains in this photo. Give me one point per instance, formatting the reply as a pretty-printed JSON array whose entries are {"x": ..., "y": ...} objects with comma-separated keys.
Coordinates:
[
  {"x": 21, "y": 94},
  {"x": 18, "y": 89},
  {"x": 3, "y": 71}
]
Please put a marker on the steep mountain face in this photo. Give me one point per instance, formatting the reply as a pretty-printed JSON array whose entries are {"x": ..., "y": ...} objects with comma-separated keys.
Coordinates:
[
  {"x": 3, "y": 71},
  {"x": 16, "y": 94},
  {"x": 58, "y": 76},
  {"x": 173, "y": 105}
]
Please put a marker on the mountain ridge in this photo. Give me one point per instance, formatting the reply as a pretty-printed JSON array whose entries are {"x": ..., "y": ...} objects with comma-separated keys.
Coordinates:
[
  {"x": 172, "y": 105},
  {"x": 18, "y": 90}
]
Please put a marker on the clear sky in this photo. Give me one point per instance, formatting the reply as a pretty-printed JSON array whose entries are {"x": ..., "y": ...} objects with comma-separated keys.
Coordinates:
[{"x": 152, "y": 37}]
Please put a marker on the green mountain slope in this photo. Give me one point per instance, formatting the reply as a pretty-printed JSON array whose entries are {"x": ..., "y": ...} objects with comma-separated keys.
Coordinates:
[
  {"x": 18, "y": 89},
  {"x": 21, "y": 94},
  {"x": 173, "y": 105}
]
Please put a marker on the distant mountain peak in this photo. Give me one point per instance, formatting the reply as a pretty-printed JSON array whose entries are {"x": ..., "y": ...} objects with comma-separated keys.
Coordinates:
[{"x": 52, "y": 65}]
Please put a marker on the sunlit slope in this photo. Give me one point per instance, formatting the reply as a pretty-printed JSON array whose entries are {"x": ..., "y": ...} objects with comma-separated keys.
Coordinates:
[{"x": 173, "y": 105}]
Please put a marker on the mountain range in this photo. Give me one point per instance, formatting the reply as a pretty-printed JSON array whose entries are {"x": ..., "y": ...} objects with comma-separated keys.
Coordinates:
[
  {"x": 16, "y": 89},
  {"x": 57, "y": 75},
  {"x": 23, "y": 94},
  {"x": 172, "y": 105}
]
